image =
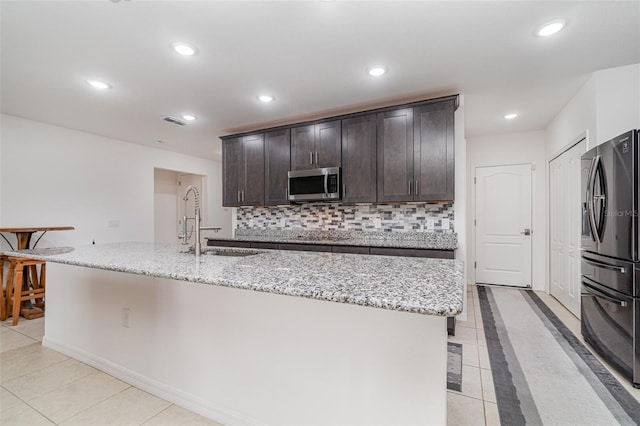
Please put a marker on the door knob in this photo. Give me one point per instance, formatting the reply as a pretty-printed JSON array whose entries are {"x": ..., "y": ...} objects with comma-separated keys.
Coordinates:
[{"x": 526, "y": 231}]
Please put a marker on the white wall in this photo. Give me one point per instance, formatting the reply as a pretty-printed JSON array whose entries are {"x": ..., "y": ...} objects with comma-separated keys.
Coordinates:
[
  {"x": 104, "y": 187},
  {"x": 606, "y": 106},
  {"x": 513, "y": 148},
  {"x": 460, "y": 204},
  {"x": 617, "y": 101},
  {"x": 165, "y": 206}
]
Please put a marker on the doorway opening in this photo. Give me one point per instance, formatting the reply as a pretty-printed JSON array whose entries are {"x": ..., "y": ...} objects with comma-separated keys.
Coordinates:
[{"x": 170, "y": 207}]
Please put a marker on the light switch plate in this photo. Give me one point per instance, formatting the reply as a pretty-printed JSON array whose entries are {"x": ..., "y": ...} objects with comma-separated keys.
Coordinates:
[
  {"x": 445, "y": 224},
  {"x": 283, "y": 223},
  {"x": 431, "y": 224},
  {"x": 377, "y": 222}
]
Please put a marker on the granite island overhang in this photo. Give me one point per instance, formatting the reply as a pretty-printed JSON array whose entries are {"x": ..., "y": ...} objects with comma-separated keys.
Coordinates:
[{"x": 375, "y": 355}]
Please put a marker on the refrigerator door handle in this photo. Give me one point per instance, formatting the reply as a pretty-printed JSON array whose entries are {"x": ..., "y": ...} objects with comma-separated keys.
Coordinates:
[
  {"x": 599, "y": 174},
  {"x": 602, "y": 295},
  {"x": 620, "y": 269},
  {"x": 590, "y": 183}
]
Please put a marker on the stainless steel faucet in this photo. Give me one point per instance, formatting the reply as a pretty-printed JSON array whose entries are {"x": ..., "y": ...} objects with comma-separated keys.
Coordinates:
[{"x": 196, "y": 219}]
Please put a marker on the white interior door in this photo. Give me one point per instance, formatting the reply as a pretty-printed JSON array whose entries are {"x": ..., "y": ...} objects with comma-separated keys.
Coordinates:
[
  {"x": 503, "y": 225},
  {"x": 565, "y": 219}
]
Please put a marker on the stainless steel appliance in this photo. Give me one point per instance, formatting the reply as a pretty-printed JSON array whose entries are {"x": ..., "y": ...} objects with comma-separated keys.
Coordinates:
[
  {"x": 610, "y": 265},
  {"x": 315, "y": 184}
]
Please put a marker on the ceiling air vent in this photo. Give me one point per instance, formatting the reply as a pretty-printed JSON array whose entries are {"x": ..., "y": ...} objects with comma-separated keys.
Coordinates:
[{"x": 174, "y": 120}]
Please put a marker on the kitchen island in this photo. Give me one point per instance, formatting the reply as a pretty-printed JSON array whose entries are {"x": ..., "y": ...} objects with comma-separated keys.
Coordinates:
[{"x": 320, "y": 338}]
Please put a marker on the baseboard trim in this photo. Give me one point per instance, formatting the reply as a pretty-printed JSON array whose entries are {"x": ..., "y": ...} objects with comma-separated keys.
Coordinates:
[{"x": 147, "y": 384}]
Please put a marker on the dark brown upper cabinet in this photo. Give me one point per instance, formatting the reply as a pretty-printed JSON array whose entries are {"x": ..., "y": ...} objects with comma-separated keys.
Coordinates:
[
  {"x": 316, "y": 145},
  {"x": 395, "y": 155},
  {"x": 359, "y": 159},
  {"x": 416, "y": 153},
  {"x": 434, "y": 152},
  {"x": 277, "y": 160},
  {"x": 243, "y": 171}
]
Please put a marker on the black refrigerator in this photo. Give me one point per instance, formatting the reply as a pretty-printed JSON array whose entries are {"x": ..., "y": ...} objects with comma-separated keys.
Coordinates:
[{"x": 610, "y": 259}]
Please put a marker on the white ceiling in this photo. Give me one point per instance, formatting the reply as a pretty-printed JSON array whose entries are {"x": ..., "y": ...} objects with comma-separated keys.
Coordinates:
[{"x": 311, "y": 55}]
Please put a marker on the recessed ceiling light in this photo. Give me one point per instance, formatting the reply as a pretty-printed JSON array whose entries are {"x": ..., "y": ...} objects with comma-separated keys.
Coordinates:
[
  {"x": 189, "y": 117},
  {"x": 511, "y": 116},
  {"x": 96, "y": 84},
  {"x": 376, "y": 70},
  {"x": 550, "y": 28},
  {"x": 184, "y": 49},
  {"x": 266, "y": 98}
]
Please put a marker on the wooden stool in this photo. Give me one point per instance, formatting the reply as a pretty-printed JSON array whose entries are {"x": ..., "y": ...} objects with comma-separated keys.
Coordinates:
[{"x": 15, "y": 293}]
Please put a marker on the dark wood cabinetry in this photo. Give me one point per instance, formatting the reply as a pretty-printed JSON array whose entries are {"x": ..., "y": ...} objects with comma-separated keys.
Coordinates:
[
  {"x": 276, "y": 166},
  {"x": 434, "y": 152},
  {"x": 243, "y": 171},
  {"x": 316, "y": 145},
  {"x": 416, "y": 153},
  {"x": 395, "y": 155},
  {"x": 359, "y": 159}
]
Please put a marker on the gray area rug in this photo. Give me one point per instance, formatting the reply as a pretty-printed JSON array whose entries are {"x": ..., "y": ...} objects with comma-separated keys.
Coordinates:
[
  {"x": 454, "y": 366},
  {"x": 542, "y": 373}
]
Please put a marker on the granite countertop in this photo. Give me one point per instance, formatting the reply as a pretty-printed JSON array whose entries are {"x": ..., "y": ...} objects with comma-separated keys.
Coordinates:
[
  {"x": 417, "y": 285},
  {"x": 416, "y": 240}
]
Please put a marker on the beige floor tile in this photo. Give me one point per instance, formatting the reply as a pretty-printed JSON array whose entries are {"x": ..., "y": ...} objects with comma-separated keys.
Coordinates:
[
  {"x": 10, "y": 339},
  {"x": 8, "y": 400},
  {"x": 464, "y": 335},
  {"x": 471, "y": 382},
  {"x": 30, "y": 362},
  {"x": 178, "y": 416},
  {"x": 470, "y": 355},
  {"x": 483, "y": 355},
  {"x": 488, "y": 389},
  {"x": 22, "y": 415},
  {"x": 32, "y": 328},
  {"x": 69, "y": 400},
  {"x": 464, "y": 411},
  {"x": 31, "y": 386},
  {"x": 491, "y": 414},
  {"x": 131, "y": 407},
  {"x": 21, "y": 351}
]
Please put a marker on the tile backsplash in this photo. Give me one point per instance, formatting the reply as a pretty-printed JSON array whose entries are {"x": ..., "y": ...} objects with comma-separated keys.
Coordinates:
[{"x": 401, "y": 217}]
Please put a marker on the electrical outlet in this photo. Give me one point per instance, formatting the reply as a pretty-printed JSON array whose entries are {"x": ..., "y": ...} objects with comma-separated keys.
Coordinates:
[
  {"x": 431, "y": 224},
  {"x": 377, "y": 222},
  {"x": 126, "y": 316},
  {"x": 283, "y": 223},
  {"x": 445, "y": 224}
]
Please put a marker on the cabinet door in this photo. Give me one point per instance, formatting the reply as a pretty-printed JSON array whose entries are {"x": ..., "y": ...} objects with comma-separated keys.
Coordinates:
[
  {"x": 302, "y": 147},
  {"x": 327, "y": 148},
  {"x": 253, "y": 171},
  {"x": 359, "y": 159},
  {"x": 231, "y": 171},
  {"x": 277, "y": 161},
  {"x": 434, "y": 152},
  {"x": 395, "y": 155}
]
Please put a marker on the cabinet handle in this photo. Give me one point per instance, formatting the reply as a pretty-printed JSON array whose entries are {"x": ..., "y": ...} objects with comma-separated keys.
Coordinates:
[
  {"x": 344, "y": 190},
  {"x": 286, "y": 193},
  {"x": 417, "y": 190},
  {"x": 310, "y": 157},
  {"x": 243, "y": 195},
  {"x": 409, "y": 186},
  {"x": 238, "y": 196},
  {"x": 316, "y": 157}
]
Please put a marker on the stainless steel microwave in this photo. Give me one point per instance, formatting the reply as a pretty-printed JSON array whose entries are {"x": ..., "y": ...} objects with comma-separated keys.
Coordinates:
[{"x": 315, "y": 184}]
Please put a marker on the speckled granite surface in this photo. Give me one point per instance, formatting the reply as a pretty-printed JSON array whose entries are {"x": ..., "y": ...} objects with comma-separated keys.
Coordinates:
[
  {"x": 419, "y": 240},
  {"x": 417, "y": 285}
]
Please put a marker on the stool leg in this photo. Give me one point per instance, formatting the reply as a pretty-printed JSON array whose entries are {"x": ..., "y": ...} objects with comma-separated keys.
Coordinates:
[
  {"x": 17, "y": 293},
  {"x": 3, "y": 300}
]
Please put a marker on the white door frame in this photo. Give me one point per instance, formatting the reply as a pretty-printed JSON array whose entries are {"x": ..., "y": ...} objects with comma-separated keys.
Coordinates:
[{"x": 475, "y": 203}]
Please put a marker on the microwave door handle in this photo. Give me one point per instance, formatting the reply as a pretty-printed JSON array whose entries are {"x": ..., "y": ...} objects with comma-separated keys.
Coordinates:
[
  {"x": 601, "y": 295},
  {"x": 590, "y": 201},
  {"x": 326, "y": 183},
  {"x": 620, "y": 269}
]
